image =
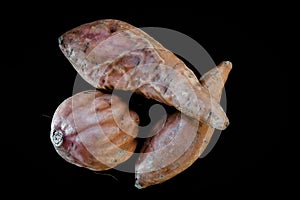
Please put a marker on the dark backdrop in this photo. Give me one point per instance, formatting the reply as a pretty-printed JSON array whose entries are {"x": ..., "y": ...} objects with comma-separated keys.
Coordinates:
[{"x": 248, "y": 156}]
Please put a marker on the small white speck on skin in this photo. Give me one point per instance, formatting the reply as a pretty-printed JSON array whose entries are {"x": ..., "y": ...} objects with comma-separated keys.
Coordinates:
[
  {"x": 64, "y": 124},
  {"x": 121, "y": 153},
  {"x": 124, "y": 138},
  {"x": 150, "y": 163},
  {"x": 185, "y": 94},
  {"x": 68, "y": 129}
]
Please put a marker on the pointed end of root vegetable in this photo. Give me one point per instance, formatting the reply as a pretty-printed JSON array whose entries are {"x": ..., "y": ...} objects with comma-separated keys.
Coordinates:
[
  {"x": 214, "y": 81},
  {"x": 224, "y": 69},
  {"x": 144, "y": 182},
  {"x": 139, "y": 181},
  {"x": 218, "y": 119},
  {"x": 138, "y": 186}
]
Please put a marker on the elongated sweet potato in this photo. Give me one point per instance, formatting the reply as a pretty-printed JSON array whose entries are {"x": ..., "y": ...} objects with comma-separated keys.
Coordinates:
[
  {"x": 173, "y": 148},
  {"x": 85, "y": 131},
  {"x": 112, "y": 54}
]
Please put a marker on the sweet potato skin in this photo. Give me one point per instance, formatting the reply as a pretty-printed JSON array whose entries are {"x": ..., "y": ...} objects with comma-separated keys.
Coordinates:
[{"x": 112, "y": 54}]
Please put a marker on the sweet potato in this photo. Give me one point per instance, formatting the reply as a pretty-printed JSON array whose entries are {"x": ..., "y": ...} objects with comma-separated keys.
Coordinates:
[
  {"x": 85, "y": 131},
  {"x": 112, "y": 54},
  {"x": 178, "y": 144}
]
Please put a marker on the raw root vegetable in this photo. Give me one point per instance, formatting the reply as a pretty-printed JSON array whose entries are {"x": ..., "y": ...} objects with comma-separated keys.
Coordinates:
[
  {"x": 178, "y": 144},
  {"x": 112, "y": 54},
  {"x": 86, "y": 132}
]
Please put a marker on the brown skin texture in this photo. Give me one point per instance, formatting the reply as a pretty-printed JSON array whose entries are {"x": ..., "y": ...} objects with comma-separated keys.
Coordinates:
[
  {"x": 91, "y": 136},
  {"x": 180, "y": 134},
  {"x": 112, "y": 54}
]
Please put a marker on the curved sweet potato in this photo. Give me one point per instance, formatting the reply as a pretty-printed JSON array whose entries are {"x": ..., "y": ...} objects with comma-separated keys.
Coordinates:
[{"x": 174, "y": 147}]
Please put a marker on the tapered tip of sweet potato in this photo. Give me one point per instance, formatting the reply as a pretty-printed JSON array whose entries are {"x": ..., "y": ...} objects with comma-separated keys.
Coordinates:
[
  {"x": 214, "y": 81},
  {"x": 144, "y": 180},
  {"x": 215, "y": 78},
  {"x": 138, "y": 186},
  {"x": 224, "y": 67},
  {"x": 218, "y": 119}
]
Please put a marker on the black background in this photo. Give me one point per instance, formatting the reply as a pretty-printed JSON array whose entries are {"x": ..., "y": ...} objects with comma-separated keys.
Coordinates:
[{"x": 248, "y": 155}]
